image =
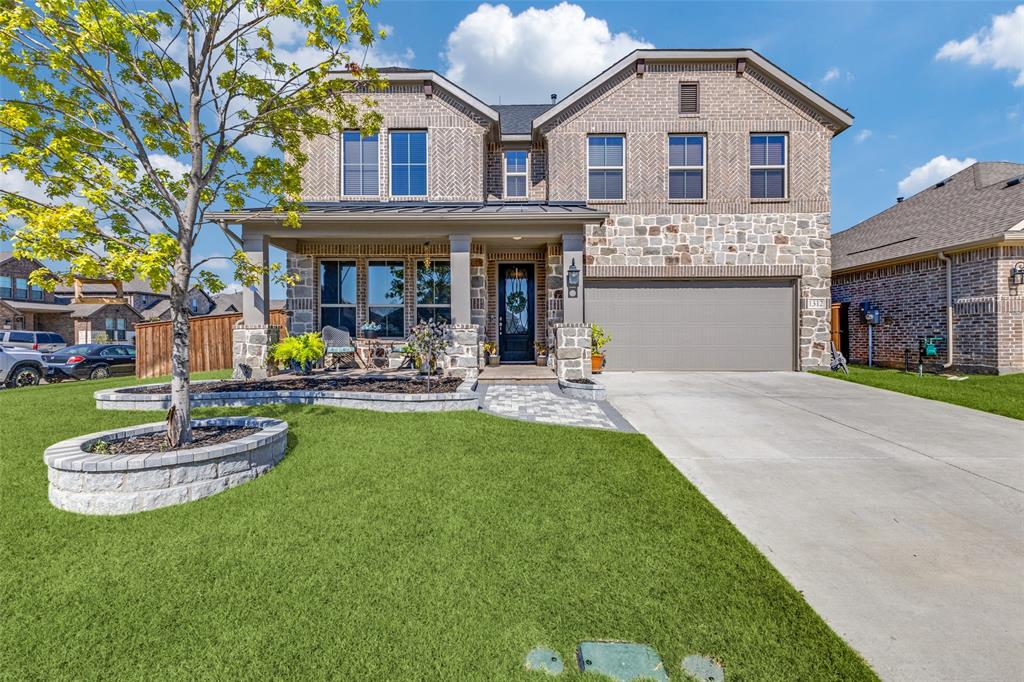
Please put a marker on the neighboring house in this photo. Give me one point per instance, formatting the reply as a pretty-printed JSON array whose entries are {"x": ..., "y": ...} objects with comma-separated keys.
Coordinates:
[
  {"x": 103, "y": 322},
  {"x": 896, "y": 263},
  {"x": 138, "y": 293},
  {"x": 231, "y": 302},
  {"x": 687, "y": 190},
  {"x": 199, "y": 303},
  {"x": 26, "y": 306}
]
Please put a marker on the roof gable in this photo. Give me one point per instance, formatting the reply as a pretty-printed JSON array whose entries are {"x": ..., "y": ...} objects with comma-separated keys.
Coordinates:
[{"x": 976, "y": 204}]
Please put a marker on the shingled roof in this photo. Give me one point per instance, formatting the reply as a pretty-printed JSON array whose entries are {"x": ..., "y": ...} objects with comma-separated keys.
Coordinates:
[
  {"x": 982, "y": 202},
  {"x": 517, "y": 119}
]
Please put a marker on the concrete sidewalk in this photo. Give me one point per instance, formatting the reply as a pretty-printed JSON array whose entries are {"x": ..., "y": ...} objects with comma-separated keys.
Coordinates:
[{"x": 900, "y": 519}]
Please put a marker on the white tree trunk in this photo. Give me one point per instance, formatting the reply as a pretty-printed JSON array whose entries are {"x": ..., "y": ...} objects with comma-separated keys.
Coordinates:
[{"x": 179, "y": 422}]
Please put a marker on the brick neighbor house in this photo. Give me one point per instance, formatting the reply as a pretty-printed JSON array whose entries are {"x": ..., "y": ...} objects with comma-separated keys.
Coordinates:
[
  {"x": 680, "y": 199},
  {"x": 968, "y": 228}
]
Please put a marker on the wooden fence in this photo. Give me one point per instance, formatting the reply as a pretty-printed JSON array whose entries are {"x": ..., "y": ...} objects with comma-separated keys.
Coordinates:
[{"x": 210, "y": 343}]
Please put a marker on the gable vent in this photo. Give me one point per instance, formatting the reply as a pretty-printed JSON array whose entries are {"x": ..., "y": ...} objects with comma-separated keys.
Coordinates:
[{"x": 689, "y": 99}]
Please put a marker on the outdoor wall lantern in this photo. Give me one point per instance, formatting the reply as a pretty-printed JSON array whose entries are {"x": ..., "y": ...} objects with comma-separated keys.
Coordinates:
[
  {"x": 572, "y": 279},
  {"x": 1017, "y": 274}
]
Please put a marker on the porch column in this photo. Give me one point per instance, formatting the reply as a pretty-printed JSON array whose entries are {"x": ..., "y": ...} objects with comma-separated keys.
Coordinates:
[
  {"x": 256, "y": 300},
  {"x": 461, "y": 309},
  {"x": 573, "y": 252}
]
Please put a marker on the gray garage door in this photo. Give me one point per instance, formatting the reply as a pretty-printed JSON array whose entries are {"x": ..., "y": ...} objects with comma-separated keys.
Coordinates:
[{"x": 695, "y": 325}]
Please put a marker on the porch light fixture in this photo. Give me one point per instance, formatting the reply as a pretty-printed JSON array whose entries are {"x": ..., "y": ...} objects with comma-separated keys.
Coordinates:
[
  {"x": 572, "y": 279},
  {"x": 1017, "y": 274}
]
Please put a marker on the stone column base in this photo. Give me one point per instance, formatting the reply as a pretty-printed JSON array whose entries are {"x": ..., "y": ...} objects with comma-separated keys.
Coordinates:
[
  {"x": 463, "y": 352},
  {"x": 572, "y": 351},
  {"x": 250, "y": 349}
]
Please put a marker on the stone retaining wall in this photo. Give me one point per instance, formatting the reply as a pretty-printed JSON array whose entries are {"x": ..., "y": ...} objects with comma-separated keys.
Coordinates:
[
  {"x": 463, "y": 351},
  {"x": 464, "y": 398},
  {"x": 123, "y": 484},
  {"x": 250, "y": 347},
  {"x": 572, "y": 351}
]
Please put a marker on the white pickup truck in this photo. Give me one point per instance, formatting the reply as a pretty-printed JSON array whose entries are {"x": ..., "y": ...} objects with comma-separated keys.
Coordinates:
[{"x": 20, "y": 367}]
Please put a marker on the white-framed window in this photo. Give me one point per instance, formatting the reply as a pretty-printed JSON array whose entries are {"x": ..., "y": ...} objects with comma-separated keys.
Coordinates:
[
  {"x": 686, "y": 158},
  {"x": 769, "y": 175},
  {"x": 360, "y": 164},
  {"x": 338, "y": 295},
  {"x": 606, "y": 167},
  {"x": 516, "y": 165},
  {"x": 408, "y": 163},
  {"x": 117, "y": 328}
]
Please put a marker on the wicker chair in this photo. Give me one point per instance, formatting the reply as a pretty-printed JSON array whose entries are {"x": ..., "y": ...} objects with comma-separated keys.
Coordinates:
[{"x": 338, "y": 348}]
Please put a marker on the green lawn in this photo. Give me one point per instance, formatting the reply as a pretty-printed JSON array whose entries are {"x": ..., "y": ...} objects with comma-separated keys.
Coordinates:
[
  {"x": 996, "y": 394},
  {"x": 387, "y": 547}
]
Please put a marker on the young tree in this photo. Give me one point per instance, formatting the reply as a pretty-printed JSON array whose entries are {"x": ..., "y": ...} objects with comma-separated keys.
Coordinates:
[{"x": 129, "y": 123}]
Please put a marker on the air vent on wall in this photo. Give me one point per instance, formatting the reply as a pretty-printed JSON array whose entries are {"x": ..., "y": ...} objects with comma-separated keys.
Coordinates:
[{"x": 689, "y": 98}]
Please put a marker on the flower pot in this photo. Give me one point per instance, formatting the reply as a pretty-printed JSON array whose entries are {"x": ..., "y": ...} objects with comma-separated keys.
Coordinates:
[
  {"x": 493, "y": 360},
  {"x": 542, "y": 360},
  {"x": 369, "y": 334},
  {"x": 297, "y": 368},
  {"x": 596, "y": 363}
]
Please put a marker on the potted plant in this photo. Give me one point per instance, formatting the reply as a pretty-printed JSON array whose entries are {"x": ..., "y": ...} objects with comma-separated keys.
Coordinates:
[
  {"x": 370, "y": 330},
  {"x": 542, "y": 354},
  {"x": 299, "y": 352},
  {"x": 599, "y": 338},
  {"x": 491, "y": 353}
]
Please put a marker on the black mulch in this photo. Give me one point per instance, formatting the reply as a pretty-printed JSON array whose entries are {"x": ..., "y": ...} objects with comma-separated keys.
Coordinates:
[
  {"x": 368, "y": 385},
  {"x": 157, "y": 442}
]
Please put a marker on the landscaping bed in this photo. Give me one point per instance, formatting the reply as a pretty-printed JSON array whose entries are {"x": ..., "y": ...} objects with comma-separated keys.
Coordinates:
[
  {"x": 389, "y": 547},
  {"x": 410, "y": 385},
  {"x": 157, "y": 442}
]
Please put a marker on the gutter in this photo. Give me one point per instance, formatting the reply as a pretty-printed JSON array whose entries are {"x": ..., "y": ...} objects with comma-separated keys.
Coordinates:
[{"x": 949, "y": 308}]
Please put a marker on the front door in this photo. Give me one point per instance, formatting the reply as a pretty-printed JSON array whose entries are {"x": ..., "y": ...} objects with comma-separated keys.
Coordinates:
[{"x": 515, "y": 312}]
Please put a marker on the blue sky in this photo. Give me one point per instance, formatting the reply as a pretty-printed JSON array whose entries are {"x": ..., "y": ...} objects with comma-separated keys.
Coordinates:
[{"x": 931, "y": 85}]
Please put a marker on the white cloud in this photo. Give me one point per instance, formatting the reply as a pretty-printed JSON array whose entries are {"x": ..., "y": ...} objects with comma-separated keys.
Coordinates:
[
  {"x": 1001, "y": 45},
  {"x": 527, "y": 56},
  {"x": 15, "y": 182},
  {"x": 863, "y": 135},
  {"x": 831, "y": 75},
  {"x": 170, "y": 164},
  {"x": 930, "y": 173}
]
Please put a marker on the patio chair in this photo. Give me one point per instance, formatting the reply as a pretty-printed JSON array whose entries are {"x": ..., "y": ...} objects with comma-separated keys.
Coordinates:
[{"x": 338, "y": 348}]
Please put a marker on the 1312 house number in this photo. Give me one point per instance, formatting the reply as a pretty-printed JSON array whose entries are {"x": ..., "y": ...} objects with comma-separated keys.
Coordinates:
[{"x": 817, "y": 303}]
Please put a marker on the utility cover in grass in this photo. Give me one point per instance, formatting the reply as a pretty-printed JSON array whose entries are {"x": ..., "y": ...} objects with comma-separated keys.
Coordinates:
[
  {"x": 703, "y": 668},
  {"x": 622, "y": 661},
  {"x": 544, "y": 659}
]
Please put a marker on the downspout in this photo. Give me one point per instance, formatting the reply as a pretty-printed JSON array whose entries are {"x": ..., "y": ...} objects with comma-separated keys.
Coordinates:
[{"x": 949, "y": 308}]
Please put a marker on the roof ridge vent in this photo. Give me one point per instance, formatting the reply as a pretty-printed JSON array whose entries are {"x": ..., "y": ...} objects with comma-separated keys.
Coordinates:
[
  {"x": 1014, "y": 181},
  {"x": 941, "y": 183}
]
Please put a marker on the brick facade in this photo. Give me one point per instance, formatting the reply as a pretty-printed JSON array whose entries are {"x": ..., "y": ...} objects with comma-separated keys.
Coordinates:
[{"x": 988, "y": 313}]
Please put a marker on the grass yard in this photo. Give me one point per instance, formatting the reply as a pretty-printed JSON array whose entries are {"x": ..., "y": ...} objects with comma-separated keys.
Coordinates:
[
  {"x": 388, "y": 547},
  {"x": 996, "y": 394}
]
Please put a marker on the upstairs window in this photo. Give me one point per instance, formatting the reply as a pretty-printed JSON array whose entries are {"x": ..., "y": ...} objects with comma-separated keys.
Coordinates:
[
  {"x": 768, "y": 157},
  {"x": 360, "y": 169},
  {"x": 36, "y": 293},
  {"x": 685, "y": 167},
  {"x": 689, "y": 98},
  {"x": 515, "y": 174},
  {"x": 20, "y": 287},
  {"x": 605, "y": 167},
  {"x": 5, "y": 286},
  {"x": 409, "y": 163},
  {"x": 434, "y": 292}
]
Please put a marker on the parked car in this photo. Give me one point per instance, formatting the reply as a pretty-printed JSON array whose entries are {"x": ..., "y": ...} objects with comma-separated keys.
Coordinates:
[
  {"x": 20, "y": 366},
  {"x": 90, "y": 361},
  {"x": 44, "y": 342}
]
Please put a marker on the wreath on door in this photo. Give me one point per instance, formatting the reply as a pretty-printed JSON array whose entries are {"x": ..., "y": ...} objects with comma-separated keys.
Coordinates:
[{"x": 515, "y": 303}]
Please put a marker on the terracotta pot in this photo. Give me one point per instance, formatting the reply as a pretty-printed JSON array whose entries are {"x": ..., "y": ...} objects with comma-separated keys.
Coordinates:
[
  {"x": 596, "y": 363},
  {"x": 493, "y": 360}
]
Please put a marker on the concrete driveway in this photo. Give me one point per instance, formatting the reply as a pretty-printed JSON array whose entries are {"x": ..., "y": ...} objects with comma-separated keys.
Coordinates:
[{"x": 900, "y": 519}]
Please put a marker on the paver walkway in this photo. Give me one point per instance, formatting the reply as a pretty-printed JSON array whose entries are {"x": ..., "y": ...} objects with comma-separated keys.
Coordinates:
[{"x": 547, "y": 405}]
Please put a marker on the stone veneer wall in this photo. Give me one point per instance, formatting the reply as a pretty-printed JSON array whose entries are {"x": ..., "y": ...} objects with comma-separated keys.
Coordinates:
[
  {"x": 734, "y": 246},
  {"x": 556, "y": 292},
  {"x": 988, "y": 314},
  {"x": 463, "y": 351},
  {"x": 572, "y": 351},
  {"x": 250, "y": 347}
]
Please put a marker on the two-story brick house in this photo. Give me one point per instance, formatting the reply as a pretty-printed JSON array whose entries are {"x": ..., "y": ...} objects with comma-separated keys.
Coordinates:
[{"x": 680, "y": 199}]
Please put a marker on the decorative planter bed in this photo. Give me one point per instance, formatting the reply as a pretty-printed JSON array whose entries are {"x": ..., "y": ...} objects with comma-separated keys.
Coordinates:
[
  {"x": 210, "y": 394},
  {"x": 591, "y": 391},
  {"x": 97, "y": 483}
]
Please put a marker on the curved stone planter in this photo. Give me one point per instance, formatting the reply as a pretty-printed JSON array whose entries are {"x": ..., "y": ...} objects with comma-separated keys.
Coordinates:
[
  {"x": 463, "y": 398},
  {"x": 92, "y": 483},
  {"x": 594, "y": 391}
]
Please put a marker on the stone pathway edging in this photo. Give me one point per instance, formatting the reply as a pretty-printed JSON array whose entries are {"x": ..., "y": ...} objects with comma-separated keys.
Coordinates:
[{"x": 548, "y": 405}]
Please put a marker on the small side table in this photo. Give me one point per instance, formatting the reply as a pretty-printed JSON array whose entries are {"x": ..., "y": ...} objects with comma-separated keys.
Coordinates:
[{"x": 373, "y": 353}]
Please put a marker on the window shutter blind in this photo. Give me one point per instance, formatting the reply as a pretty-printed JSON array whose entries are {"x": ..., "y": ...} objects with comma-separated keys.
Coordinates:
[{"x": 688, "y": 101}]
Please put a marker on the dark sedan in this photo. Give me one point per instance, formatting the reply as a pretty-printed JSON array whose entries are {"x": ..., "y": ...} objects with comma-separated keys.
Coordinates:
[{"x": 90, "y": 361}]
